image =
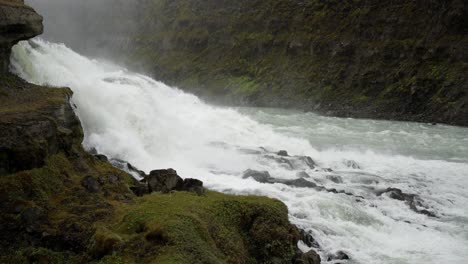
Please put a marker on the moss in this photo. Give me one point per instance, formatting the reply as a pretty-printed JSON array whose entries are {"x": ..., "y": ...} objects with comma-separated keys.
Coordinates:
[
  {"x": 215, "y": 228},
  {"x": 289, "y": 54}
]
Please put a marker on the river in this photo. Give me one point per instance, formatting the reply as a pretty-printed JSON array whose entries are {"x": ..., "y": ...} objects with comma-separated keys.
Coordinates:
[{"x": 132, "y": 117}]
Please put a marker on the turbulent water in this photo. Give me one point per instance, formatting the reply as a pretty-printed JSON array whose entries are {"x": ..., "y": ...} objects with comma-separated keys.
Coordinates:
[{"x": 132, "y": 117}]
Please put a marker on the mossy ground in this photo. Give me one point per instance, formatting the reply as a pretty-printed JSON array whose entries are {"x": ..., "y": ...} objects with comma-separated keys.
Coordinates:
[{"x": 50, "y": 214}]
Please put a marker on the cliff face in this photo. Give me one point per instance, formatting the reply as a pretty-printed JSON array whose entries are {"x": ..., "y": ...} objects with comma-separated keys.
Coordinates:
[
  {"x": 17, "y": 22},
  {"x": 404, "y": 60}
]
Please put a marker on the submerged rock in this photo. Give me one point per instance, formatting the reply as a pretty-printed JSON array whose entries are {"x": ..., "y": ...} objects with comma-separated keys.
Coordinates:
[
  {"x": 308, "y": 161},
  {"x": 412, "y": 200},
  {"x": 260, "y": 176},
  {"x": 302, "y": 183},
  {"x": 351, "y": 164},
  {"x": 339, "y": 255},
  {"x": 335, "y": 178},
  {"x": 302, "y": 174}
]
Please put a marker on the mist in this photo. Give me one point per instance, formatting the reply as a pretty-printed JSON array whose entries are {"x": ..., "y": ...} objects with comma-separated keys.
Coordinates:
[{"x": 99, "y": 28}]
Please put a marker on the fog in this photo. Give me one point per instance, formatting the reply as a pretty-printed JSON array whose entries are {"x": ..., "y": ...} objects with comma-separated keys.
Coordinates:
[{"x": 93, "y": 27}]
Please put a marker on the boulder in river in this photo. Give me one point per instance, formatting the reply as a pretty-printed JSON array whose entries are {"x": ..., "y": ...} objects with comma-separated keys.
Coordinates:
[
  {"x": 339, "y": 255},
  {"x": 302, "y": 174},
  {"x": 412, "y": 200},
  {"x": 335, "y": 178},
  {"x": 308, "y": 239},
  {"x": 282, "y": 153},
  {"x": 308, "y": 161},
  {"x": 301, "y": 182},
  {"x": 260, "y": 176}
]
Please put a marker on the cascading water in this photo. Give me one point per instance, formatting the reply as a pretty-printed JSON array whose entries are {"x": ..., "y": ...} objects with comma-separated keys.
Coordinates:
[{"x": 132, "y": 117}]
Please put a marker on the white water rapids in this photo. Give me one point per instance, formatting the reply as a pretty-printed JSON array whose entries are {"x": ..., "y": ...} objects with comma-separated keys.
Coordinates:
[{"x": 134, "y": 118}]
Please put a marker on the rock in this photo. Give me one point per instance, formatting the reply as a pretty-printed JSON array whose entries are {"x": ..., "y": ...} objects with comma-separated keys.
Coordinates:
[
  {"x": 339, "y": 255},
  {"x": 308, "y": 239},
  {"x": 139, "y": 188},
  {"x": 311, "y": 257},
  {"x": 308, "y": 161},
  {"x": 351, "y": 164},
  {"x": 132, "y": 168},
  {"x": 193, "y": 185},
  {"x": 302, "y": 174},
  {"x": 281, "y": 160},
  {"x": 164, "y": 181},
  {"x": 47, "y": 128},
  {"x": 283, "y": 153},
  {"x": 412, "y": 200},
  {"x": 17, "y": 22},
  {"x": 260, "y": 176},
  {"x": 91, "y": 184},
  {"x": 300, "y": 183},
  {"x": 335, "y": 178},
  {"x": 101, "y": 157}
]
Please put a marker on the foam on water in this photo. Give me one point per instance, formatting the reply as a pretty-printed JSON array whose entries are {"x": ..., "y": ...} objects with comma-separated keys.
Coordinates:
[{"x": 132, "y": 117}]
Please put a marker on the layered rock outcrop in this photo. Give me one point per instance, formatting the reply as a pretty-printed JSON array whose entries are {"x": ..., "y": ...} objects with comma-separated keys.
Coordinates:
[
  {"x": 17, "y": 22},
  {"x": 404, "y": 60}
]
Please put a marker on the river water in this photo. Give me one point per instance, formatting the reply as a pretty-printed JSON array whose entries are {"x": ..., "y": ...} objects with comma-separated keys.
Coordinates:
[{"x": 135, "y": 118}]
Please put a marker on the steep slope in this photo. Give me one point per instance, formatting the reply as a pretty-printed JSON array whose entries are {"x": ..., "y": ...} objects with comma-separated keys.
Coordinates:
[{"x": 404, "y": 60}]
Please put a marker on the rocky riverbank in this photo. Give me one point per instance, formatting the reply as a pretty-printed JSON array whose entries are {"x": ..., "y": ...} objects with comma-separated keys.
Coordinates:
[
  {"x": 61, "y": 204},
  {"x": 398, "y": 60}
]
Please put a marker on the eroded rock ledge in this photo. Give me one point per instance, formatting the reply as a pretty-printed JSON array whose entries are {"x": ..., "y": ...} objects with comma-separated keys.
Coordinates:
[{"x": 17, "y": 22}]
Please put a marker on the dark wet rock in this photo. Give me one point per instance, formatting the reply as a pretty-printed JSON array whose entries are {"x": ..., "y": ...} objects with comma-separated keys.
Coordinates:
[
  {"x": 308, "y": 161},
  {"x": 301, "y": 183},
  {"x": 139, "y": 188},
  {"x": 281, "y": 160},
  {"x": 91, "y": 184},
  {"x": 302, "y": 174},
  {"x": 45, "y": 130},
  {"x": 101, "y": 157},
  {"x": 163, "y": 181},
  {"x": 351, "y": 164},
  {"x": 251, "y": 151},
  {"x": 311, "y": 257},
  {"x": 17, "y": 22},
  {"x": 335, "y": 178},
  {"x": 193, "y": 185},
  {"x": 132, "y": 168},
  {"x": 308, "y": 239},
  {"x": 339, "y": 255},
  {"x": 260, "y": 176},
  {"x": 93, "y": 151},
  {"x": 282, "y": 153},
  {"x": 412, "y": 200}
]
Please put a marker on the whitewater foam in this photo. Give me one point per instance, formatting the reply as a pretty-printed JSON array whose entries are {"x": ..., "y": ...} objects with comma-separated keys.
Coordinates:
[{"x": 135, "y": 118}]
